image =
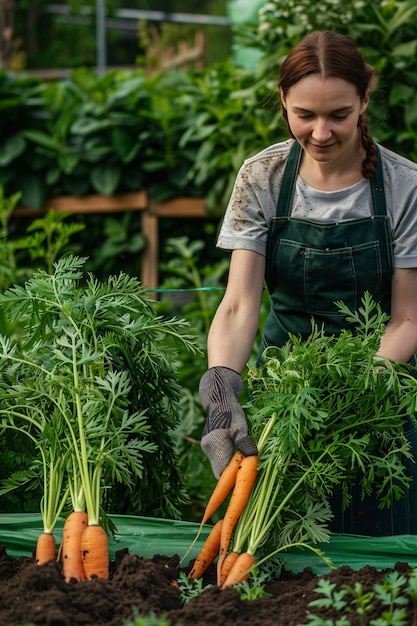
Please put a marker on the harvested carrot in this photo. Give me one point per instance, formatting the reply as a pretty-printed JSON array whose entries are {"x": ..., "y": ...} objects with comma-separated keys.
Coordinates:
[
  {"x": 222, "y": 489},
  {"x": 45, "y": 548},
  {"x": 240, "y": 570},
  {"x": 228, "y": 563},
  {"x": 245, "y": 479},
  {"x": 95, "y": 552},
  {"x": 223, "y": 486},
  {"x": 72, "y": 562},
  {"x": 208, "y": 552}
]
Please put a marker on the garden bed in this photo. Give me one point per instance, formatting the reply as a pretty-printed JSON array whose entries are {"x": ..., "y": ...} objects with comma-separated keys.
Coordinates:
[
  {"x": 38, "y": 594},
  {"x": 145, "y": 561}
]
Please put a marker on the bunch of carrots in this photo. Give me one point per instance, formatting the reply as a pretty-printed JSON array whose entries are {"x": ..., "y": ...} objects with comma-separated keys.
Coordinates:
[
  {"x": 237, "y": 480},
  {"x": 324, "y": 413},
  {"x": 62, "y": 387},
  {"x": 83, "y": 551},
  {"x": 73, "y": 552}
]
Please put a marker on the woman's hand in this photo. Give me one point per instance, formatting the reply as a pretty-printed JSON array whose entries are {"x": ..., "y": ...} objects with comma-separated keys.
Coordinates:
[{"x": 226, "y": 427}]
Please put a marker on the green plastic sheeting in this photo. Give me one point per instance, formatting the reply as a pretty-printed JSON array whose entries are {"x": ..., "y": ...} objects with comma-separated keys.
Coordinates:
[
  {"x": 357, "y": 552},
  {"x": 145, "y": 536}
]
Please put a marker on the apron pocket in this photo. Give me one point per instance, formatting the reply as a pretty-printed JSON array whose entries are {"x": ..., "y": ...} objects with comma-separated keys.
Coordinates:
[{"x": 340, "y": 274}]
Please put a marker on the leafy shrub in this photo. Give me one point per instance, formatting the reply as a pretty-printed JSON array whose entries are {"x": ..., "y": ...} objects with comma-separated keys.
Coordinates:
[{"x": 175, "y": 133}]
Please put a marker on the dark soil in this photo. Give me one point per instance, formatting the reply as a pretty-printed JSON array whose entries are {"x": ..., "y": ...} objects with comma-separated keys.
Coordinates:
[{"x": 38, "y": 595}]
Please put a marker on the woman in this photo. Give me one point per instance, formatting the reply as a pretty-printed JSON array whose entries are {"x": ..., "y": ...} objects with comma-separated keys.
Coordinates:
[{"x": 322, "y": 217}]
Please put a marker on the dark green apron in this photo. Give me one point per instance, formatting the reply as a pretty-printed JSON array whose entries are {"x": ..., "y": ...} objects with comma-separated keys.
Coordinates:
[{"x": 310, "y": 266}]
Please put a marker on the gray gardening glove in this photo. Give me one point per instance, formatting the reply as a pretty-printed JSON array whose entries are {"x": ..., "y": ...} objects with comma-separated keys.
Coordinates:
[{"x": 226, "y": 427}]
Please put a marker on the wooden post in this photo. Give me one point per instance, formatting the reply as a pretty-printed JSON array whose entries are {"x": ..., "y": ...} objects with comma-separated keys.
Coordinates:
[
  {"x": 6, "y": 33},
  {"x": 179, "y": 207},
  {"x": 150, "y": 256}
]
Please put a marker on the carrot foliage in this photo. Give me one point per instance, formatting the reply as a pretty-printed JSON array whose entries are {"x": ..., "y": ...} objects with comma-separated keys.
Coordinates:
[
  {"x": 325, "y": 414},
  {"x": 78, "y": 379}
]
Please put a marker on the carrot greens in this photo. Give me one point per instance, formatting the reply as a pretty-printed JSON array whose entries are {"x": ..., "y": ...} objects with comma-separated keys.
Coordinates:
[
  {"x": 73, "y": 382},
  {"x": 325, "y": 413},
  {"x": 49, "y": 471}
]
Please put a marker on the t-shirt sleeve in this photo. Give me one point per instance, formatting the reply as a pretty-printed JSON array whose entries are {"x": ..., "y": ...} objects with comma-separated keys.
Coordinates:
[
  {"x": 400, "y": 183},
  {"x": 244, "y": 226},
  {"x": 253, "y": 201}
]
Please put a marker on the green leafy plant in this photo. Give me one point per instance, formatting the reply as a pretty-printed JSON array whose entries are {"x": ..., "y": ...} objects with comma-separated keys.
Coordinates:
[
  {"x": 253, "y": 589},
  {"x": 93, "y": 356},
  {"x": 190, "y": 589},
  {"x": 45, "y": 238},
  {"x": 391, "y": 598},
  {"x": 48, "y": 236},
  {"x": 147, "y": 620},
  {"x": 125, "y": 131},
  {"x": 22, "y": 109},
  {"x": 230, "y": 123},
  {"x": 187, "y": 132},
  {"x": 46, "y": 431},
  {"x": 119, "y": 243},
  {"x": 324, "y": 414},
  {"x": 9, "y": 270}
]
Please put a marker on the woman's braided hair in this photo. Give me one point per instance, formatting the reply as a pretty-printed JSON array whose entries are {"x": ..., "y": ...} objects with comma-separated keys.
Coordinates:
[{"x": 333, "y": 55}]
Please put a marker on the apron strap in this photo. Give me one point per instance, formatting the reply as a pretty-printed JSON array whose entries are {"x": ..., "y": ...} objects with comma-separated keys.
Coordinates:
[
  {"x": 290, "y": 176},
  {"x": 286, "y": 193}
]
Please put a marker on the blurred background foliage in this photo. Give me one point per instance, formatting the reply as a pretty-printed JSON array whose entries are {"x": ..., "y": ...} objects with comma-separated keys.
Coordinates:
[{"x": 45, "y": 38}]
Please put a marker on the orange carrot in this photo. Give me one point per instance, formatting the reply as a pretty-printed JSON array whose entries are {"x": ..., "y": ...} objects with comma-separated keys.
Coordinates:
[
  {"x": 45, "y": 548},
  {"x": 208, "y": 552},
  {"x": 228, "y": 563},
  {"x": 245, "y": 479},
  {"x": 222, "y": 489},
  {"x": 72, "y": 564},
  {"x": 95, "y": 552},
  {"x": 240, "y": 570},
  {"x": 223, "y": 486}
]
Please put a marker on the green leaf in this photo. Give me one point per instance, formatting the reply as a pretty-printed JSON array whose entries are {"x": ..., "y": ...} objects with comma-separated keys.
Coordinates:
[
  {"x": 410, "y": 115},
  {"x": 11, "y": 148},
  {"x": 405, "y": 49},
  {"x": 68, "y": 162},
  {"x": 401, "y": 94},
  {"x": 125, "y": 144},
  {"x": 43, "y": 139},
  {"x": 87, "y": 126},
  {"x": 34, "y": 190},
  {"x": 105, "y": 179}
]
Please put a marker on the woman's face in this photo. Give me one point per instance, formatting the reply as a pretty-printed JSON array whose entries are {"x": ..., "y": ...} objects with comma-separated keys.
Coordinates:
[{"x": 323, "y": 116}]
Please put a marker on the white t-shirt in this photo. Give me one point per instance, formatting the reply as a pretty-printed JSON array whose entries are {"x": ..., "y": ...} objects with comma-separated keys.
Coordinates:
[{"x": 254, "y": 200}]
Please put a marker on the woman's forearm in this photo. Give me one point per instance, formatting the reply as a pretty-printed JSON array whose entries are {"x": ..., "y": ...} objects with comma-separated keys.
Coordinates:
[
  {"x": 235, "y": 323},
  {"x": 399, "y": 341},
  {"x": 230, "y": 340}
]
